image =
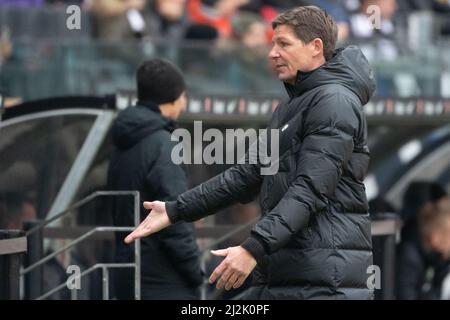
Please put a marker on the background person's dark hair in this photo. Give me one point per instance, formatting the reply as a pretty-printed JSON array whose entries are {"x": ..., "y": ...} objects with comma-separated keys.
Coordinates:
[
  {"x": 417, "y": 195},
  {"x": 159, "y": 81},
  {"x": 308, "y": 23},
  {"x": 10, "y": 208}
]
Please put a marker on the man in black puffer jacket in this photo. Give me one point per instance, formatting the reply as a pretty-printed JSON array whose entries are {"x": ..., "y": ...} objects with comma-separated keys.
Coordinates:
[
  {"x": 314, "y": 239},
  {"x": 142, "y": 135}
]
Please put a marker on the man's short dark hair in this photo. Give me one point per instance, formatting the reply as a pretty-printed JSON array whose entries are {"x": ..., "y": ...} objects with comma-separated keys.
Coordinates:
[
  {"x": 159, "y": 81},
  {"x": 308, "y": 23}
]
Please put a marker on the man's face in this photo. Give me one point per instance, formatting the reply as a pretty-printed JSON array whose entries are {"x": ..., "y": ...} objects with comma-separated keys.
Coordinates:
[
  {"x": 179, "y": 105},
  {"x": 441, "y": 239},
  {"x": 289, "y": 54}
]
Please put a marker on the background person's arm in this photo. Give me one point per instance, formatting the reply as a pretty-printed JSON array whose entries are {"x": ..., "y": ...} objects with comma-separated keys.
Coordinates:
[{"x": 168, "y": 180}]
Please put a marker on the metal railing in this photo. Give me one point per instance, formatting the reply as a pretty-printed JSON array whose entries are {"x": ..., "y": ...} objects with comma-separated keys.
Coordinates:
[
  {"x": 105, "y": 267},
  {"x": 388, "y": 227}
]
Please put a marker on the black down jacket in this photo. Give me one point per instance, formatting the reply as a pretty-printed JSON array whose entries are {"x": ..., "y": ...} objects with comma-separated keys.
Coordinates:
[
  {"x": 314, "y": 237},
  {"x": 142, "y": 161}
]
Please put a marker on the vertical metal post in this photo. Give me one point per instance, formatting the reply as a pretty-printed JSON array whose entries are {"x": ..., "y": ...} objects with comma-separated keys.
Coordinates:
[
  {"x": 137, "y": 248},
  {"x": 388, "y": 274},
  {"x": 204, "y": 287},
  {"x": 34, "y": 280},
  {"x": 10, "y": 266},
  {"x": 105, "y": 281}
]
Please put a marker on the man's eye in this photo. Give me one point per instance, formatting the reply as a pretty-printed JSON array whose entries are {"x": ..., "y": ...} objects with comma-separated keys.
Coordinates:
[{"x": 283, "y": 44}]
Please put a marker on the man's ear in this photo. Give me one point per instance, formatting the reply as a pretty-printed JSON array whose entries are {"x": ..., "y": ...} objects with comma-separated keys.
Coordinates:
[{"x": 317, "y": 47}]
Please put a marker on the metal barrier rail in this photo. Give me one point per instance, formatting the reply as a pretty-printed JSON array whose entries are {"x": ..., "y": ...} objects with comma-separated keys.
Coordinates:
[
  {"x": 136, "y": 264},
  {"x": 105, "y": 279}
]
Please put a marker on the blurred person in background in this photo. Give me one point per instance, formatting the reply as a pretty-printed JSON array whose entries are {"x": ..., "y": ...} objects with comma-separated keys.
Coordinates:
[
  {"x": 141, "y": 161},
  {"x": 337, "y": 10},
  {"x": 434, "y": 220},
  {"x": 15, "y": 209},
  {"x": 215, "y": 13},
  {"x": 443, "y": 8},
  {"x": 22, "y": 3},
  {"x": 417, "y": 255},
  {"x": 120, "y": 19},
  {"x": 168, "y": 19},
  {"x": 379, "y": 41},
  {"x": 246, "y": 53}
]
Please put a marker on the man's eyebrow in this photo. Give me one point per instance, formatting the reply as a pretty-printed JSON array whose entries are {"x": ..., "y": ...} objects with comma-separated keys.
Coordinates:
[{"x": 280, "y": 38}]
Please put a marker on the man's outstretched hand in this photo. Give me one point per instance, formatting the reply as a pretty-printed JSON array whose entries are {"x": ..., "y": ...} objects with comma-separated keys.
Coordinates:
[
  {"x": 234, "y": 269},
  {"x": 155, "y": 221}
]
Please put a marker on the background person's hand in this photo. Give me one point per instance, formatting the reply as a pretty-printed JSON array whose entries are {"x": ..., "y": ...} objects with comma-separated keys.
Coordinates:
[
  {"x": 234, "y": 269},
  {"x": 155, "y": 221}
]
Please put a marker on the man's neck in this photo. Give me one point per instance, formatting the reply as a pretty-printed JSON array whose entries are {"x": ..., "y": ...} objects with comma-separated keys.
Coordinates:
[
  {"x": 166, "y": 110},
  {"x": 313, "y": 67}
]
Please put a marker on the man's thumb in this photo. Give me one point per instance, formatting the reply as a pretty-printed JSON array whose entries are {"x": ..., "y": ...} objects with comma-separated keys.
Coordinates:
[
  {"x": 148, "y": 205},
  {"x": 221, "y": 253}
]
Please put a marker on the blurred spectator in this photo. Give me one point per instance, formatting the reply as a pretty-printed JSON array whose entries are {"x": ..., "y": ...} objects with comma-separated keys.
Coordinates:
[
  {"x": 215, "y": 13},
  {"x": 443, "y": 8},
  {"x": 120, "y": 19},
  {"x": 80, "y": 3},
  {"x": 283, "y": 5},
  {"x": 250, "y": 30},
  {"x": 5, "y": 45},
  {"x": 434, "y": 221},
  {"x": 201, "y": 32},
  {"x": 379, "y": 40},
  {"x": 245, "y": 54},
  {"x": 337, "y": 10},
  {"x": 15, "y": 209},
  {"x": 128, "y": 19},
  {"x": 420, "y": 267},
  {"x": 434, "y": 225},
  {"x": 22, "y": 3},
  {"x": 168, "y": 19}
]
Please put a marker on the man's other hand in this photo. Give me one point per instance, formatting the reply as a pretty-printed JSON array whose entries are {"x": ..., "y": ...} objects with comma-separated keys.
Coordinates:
[
  {"x": 155, "y": 221},
  {"x": 234, "y": 269}
]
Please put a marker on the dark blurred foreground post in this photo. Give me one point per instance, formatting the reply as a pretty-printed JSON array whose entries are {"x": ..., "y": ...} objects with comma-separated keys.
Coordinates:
[{"x": 13, "y": 244}]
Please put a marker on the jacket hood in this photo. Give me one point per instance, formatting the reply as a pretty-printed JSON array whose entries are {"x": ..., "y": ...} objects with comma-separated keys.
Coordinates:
[
  {"x": 348, "y": 67},
  {"x": 135, "y": 123}
]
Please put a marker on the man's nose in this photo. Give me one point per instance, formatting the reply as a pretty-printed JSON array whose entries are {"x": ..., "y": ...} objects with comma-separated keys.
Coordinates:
[{"x": 274, "y": 53}]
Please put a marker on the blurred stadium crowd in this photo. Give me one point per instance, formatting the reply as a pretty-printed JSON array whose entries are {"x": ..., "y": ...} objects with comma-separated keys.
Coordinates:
[{"x": 124, "y": 32}]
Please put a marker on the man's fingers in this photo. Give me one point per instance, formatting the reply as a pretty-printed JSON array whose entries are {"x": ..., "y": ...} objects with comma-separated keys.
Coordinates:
[
  {"x": 231, "y": 281},
  {"x": 139, "y": 232},
  {"x": 148, "y": 205},
  {"x": 224, "y": 278},
  {"x": 220, "y": 253},
  {"x": 129, "y": 238},
  {"x": 133, "y": 236},
  {"x": 217, "y": 272},
  {"x": 239, "y": 282}
]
